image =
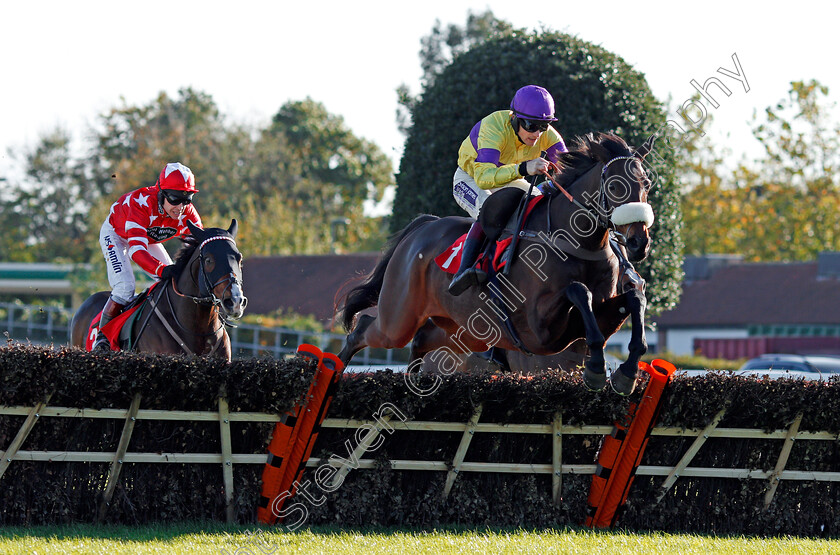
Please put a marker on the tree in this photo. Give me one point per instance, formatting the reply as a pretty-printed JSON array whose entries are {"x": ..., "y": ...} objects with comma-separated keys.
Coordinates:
[
  {"x": 784, "y": 206},
  {"x": 44, "y": 217},
  {"x": 801, "y": 138},
  {"x": 289, "y": 184},
  {"x": 136, "y": 141},
  {"x": 437, "y": 50},
  {"x": 285, "y": 183},
  {"x": 595, "y": 91},
  {"x": 312, "y": 172}
]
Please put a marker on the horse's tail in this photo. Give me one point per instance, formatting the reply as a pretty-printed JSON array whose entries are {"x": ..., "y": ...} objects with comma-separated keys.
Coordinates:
[{"x": 366, "y": 294}]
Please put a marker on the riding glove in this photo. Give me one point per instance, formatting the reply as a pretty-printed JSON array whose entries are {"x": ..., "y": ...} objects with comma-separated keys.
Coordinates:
[{"x": 167, "y": 273}]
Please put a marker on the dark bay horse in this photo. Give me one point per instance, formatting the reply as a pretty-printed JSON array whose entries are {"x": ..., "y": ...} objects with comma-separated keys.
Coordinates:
[
  {"x": 188, "y": 313},
  {"x": 565, "y": 281}
]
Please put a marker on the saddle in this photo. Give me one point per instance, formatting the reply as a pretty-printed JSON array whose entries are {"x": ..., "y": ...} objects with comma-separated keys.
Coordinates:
[
  {"x": 118, "y": 330},
  {"x": 498, "y": 218}
]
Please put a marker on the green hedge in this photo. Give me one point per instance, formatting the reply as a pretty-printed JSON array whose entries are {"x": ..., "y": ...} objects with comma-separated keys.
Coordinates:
[
  {"x": 60, "y": 492},
  {"x": 36, "y": 493}
]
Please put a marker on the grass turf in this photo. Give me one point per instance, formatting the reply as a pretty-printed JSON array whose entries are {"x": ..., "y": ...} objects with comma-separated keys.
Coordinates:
[{"x": 217, "y": 539}]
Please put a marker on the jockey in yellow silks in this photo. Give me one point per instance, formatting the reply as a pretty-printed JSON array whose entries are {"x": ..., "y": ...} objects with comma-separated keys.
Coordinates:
[{"x": 500, "y": 151}]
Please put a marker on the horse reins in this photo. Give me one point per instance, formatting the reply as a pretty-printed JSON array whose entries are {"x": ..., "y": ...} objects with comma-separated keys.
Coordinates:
[
  {"x": 616, "y": 238},
  {"x": 602, "y": 191},
  {"x": 209, "y": 300}
]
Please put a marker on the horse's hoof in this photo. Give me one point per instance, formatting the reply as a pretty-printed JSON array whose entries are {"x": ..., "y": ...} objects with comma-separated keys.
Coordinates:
[
  {"x": 102, "y": 345},
  {"x": 595, "y": 381},
  {"x": 621, "y": 383}
]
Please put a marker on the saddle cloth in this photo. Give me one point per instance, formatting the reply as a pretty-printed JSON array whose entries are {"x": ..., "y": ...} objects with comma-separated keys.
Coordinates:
[
  {"x": 113, "y": 328},
  {"x": 450, "y": 259}
]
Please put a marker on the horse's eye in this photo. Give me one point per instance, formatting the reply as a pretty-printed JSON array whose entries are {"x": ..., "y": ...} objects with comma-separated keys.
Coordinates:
[{"x": 209, "y": 263}]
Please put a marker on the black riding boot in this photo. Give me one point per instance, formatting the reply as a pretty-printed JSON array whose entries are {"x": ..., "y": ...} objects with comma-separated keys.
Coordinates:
[
  {"x": 467, "y": 276},
  {"x": 111, "y": 310}
]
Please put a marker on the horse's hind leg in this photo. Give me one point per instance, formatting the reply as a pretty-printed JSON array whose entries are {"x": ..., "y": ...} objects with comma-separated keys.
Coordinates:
[
  {"x": 369, "y": 332},
  {"x": 623, "y": 380},
  {"x": 594, "y": 372},
  {"x": 355, "y": 341}
]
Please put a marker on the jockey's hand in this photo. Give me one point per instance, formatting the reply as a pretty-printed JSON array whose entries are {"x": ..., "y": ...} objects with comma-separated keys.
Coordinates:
[
  {"x": 537, "y": 166},
  {"x": 167, "y": 273}
]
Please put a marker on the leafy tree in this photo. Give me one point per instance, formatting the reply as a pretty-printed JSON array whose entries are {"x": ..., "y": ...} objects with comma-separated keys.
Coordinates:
[
  {"x": 136, "y": 141},
  {"x": 439, "y": 47},
  {"x": 801, "y": 138},
  {"x": 288, "y": 184},
  {"x": 311, "y": 172},
  {"x": 595, "y": 91},
  {"x": 784, "y": 206},
  {"x": 286, "y": 187},
  {"x": 44, "y": 217}
]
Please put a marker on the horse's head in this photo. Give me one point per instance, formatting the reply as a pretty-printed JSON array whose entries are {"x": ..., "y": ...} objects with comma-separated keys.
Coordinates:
[
  {"x": 627, "y": 186},
  {"x": 622, "y": 187},
  {"x": 219, "y": 276}
]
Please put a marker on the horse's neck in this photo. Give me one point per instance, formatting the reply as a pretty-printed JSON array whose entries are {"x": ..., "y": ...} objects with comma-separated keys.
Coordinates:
[
  {"x": 189, "y": 312},
  {"x": 567, "y": 220}
]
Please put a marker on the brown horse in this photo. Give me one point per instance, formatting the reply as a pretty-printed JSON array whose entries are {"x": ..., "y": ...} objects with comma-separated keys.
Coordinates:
[
  {"x": 564, "y": 283},
  {"x": 187, "y": 314}
]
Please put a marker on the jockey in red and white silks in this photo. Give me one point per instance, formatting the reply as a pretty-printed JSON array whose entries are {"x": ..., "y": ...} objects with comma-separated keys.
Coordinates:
[{"x": 135, "y": 228}]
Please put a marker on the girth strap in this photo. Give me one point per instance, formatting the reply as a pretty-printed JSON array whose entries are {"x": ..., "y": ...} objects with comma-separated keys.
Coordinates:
[
  {"x": 171, "y": 331},
  {"x": 178, "y": 339}
]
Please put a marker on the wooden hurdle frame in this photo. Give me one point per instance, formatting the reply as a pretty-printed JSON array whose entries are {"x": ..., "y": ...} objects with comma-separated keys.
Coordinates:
[{"x": 556, "y": 429}]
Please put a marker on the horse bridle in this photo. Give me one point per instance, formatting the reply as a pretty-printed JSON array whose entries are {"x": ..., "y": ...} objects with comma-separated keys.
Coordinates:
[
  {"x": 598, "y": 215},
  {"x": 210, "y": 299}
]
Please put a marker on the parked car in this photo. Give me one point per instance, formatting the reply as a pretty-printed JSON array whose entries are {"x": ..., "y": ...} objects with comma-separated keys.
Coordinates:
[{"x": 775, "y": 365}]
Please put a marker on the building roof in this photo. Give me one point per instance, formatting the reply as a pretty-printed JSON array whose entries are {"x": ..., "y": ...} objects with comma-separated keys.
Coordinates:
[
  {"x": 303, "y": 284},
  {"x": 743, "y": 294}
]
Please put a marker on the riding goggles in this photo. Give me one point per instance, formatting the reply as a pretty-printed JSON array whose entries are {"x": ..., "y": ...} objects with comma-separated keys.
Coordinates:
[
  {"x": 177, "y": 197},
  {"x": 531, "y": 125}
]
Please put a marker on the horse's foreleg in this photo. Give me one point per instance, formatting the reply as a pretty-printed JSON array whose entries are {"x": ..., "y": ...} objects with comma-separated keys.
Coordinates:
[
  {"x": 423, "y": 342},
  {"x": 369, "y": 332},
  {"x": 623, "y": 380},
  {"x": 446, "y": 356},
  {"x": 594, "y": 373}
]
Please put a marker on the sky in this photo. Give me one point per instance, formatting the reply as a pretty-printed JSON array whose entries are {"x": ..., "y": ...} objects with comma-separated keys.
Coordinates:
[{"x": 64, "y": 63}]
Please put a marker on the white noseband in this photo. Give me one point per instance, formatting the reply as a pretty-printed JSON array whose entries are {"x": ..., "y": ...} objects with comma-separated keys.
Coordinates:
[{"x": 633, "y": 212}]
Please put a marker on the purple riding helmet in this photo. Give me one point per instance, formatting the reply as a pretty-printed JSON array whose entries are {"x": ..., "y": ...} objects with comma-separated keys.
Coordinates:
[{"x": 533, "y": 103}]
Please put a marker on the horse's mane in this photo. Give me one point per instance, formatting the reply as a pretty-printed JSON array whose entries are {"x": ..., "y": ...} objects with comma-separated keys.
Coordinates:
[
  {"x": 587, "y": 150},
  {"x": 186, "y": 251},
  {"x": 190, "y": 243}
]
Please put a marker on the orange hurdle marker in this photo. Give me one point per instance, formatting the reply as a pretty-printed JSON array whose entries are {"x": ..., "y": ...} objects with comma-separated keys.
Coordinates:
[
  {"x": 294, "y": 437},
  {"x": 621, "y": 451}
]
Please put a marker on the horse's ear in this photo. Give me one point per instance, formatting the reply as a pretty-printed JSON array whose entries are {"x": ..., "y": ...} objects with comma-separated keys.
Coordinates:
[
  {"x": 234, "y": 227},
  {"x": 645, "y": 149},
  {"x": 195, "y": 231}
]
